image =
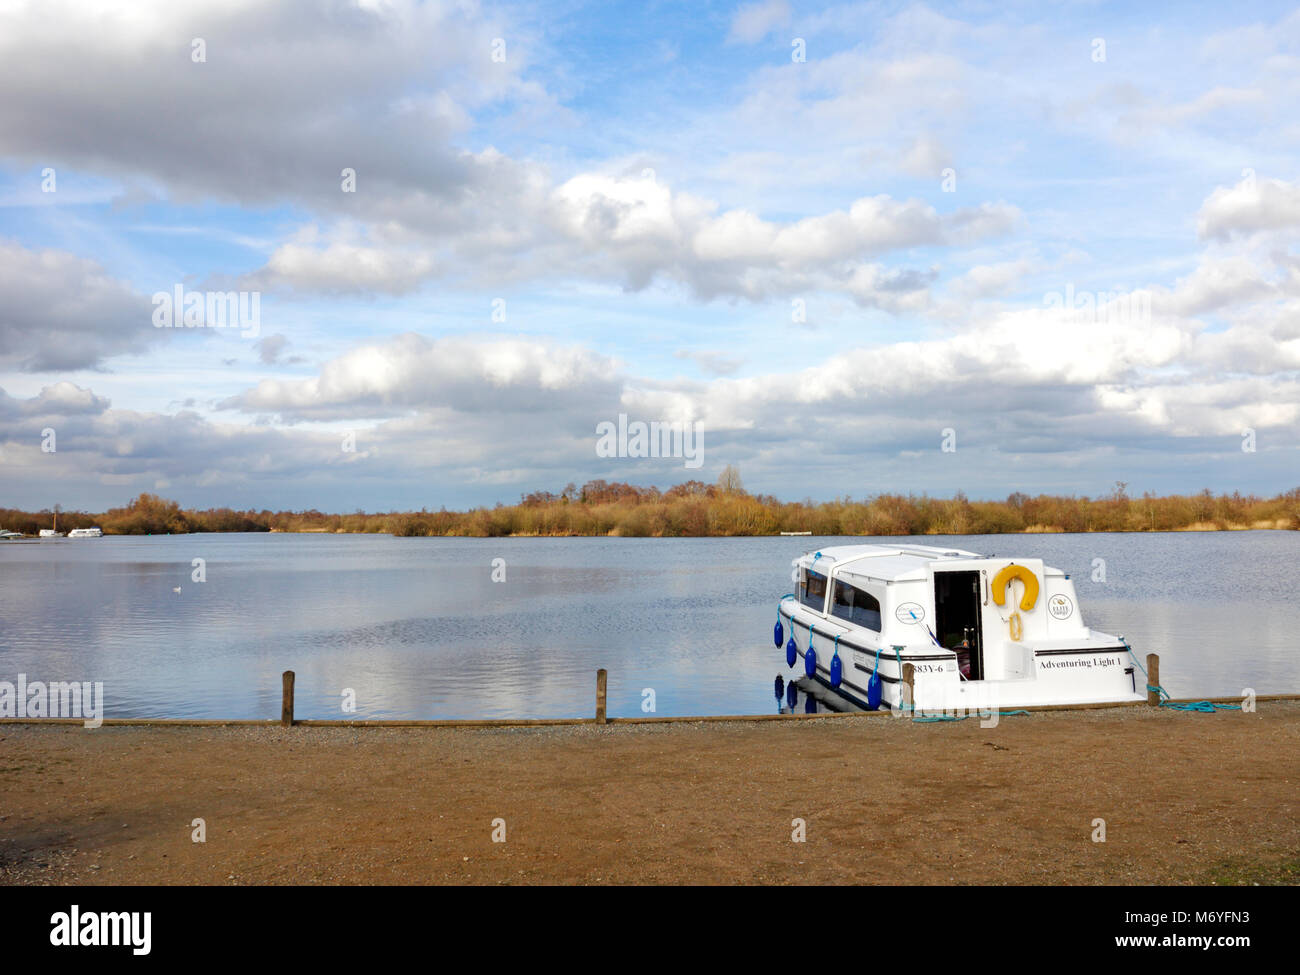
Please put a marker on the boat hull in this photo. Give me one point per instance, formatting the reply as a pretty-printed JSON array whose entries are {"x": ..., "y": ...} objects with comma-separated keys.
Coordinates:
[{"x": 1098, "y": 672}]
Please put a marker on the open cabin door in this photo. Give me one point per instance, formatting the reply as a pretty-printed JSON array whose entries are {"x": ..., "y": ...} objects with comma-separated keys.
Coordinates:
[{"x": 957, "y": 621}]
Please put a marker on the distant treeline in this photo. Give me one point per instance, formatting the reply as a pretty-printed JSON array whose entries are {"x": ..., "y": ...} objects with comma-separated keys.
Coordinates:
[{"x": 695, "y": 508}]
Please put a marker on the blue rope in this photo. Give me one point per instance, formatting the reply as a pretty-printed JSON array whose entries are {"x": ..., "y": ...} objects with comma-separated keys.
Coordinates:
[
  {"x": 1204, "y": 707},
  {"x": 1201, "y": 707},
  {"x": 950, "y": 717},
  {"x": 930, "y": 719}
]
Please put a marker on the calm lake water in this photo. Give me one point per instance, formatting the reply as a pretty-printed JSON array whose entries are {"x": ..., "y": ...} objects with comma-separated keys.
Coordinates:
[{"x": 418, "y": 628}]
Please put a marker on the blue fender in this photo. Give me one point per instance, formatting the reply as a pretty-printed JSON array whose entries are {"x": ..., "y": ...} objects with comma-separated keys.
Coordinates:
[{"x": 873, "y": 685}]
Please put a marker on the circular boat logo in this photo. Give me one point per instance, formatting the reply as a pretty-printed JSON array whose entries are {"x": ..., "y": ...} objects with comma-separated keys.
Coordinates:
[
  {"x": 910, "y": 613},
  {"x": 1060, "y": 607}
]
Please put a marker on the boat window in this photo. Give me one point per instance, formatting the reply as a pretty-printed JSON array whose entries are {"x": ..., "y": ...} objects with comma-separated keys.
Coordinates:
[
  {"x": 856, "y": 605},
  {"x": 812, "y": 590}
]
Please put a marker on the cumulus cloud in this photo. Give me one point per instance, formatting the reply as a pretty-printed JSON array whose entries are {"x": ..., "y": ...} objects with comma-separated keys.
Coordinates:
[
  {"x": 775, "y": 189},
  {"x": 1250, "y": 207},
  {"x": 1037, "y": 377},
  {"x": 638, "y": 229},
  {"x": 412, "y": 372},
  {"x": 343, "y": 268},
  {"x": 61, "y": 399},
  {"x": 1030, "y": 382},
  {"x": 63, "y": 312},
  {"x": 359, "y": 87},
  {"x": 1219, "y": 282},
  {"x": 289, "y": 94}
]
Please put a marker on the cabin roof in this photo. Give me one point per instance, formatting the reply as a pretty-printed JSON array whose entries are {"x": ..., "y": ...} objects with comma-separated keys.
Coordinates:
[{"x": 879, "y": 561}]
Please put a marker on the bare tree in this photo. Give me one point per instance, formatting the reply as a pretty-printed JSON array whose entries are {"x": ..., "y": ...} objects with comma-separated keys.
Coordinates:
[{"x": 729, "y": 480}]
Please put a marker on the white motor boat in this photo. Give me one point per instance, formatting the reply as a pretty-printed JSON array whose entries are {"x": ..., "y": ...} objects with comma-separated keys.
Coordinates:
[
  {"x": 9, "y": 536},
  {"x": 86, "y": 533},
  {"x": 980, "y": 633}
]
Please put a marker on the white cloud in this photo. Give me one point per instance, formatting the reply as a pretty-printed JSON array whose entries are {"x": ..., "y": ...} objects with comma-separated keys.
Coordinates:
[
  {"x": 639, "y": 230},
  {"x": 270, "y": 348},
  {"x": 467, "y": 374},
  {"x": 63, "y": 312},
  {"x": 289, "y": 95},
  {"x": 992, "y": 280},
  {"x": 340, "y": 268},
  {"x": 776, "y": 180},
  {"x": 1253, "y": 206},
  {"x": 60, "y": 399},
  {"x": 754, "y": 21},
  {"x": 926, "y": 158},
  {"x": 1219, "y": 282}
]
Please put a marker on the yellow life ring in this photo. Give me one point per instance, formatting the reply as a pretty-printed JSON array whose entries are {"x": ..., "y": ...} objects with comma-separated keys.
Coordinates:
[{"x": 1003, "y": 579}]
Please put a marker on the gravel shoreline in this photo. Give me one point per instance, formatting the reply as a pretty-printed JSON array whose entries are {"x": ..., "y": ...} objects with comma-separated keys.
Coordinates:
[{"x": 1186, "y": 798}]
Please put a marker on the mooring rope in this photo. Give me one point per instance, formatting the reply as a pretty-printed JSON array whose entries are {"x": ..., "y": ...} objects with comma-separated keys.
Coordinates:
[
  {"x": 928, "y": 718},
  {"x": 1201, "y": 707}
]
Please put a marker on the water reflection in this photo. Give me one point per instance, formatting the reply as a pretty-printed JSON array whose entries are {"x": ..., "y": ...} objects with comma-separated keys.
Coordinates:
[
  {"x": 417, "y": 628},
  {"x": 807, "y": 696}
]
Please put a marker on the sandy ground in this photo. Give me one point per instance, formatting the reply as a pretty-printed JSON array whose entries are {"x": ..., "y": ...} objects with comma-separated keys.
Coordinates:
[{"x": 1187, "y": 798}]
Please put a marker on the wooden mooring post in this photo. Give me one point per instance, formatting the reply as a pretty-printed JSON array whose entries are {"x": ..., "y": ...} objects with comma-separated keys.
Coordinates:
[
  {"x": 601, "y": 678},
  {"x": 286, "y": 700},
  {"x": 909, "y": 688},
  {"x": 1153, "y": 679}
]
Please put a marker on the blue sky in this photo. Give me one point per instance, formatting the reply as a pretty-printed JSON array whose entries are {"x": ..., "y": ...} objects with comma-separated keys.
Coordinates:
[{"x": 826, "y": 262}]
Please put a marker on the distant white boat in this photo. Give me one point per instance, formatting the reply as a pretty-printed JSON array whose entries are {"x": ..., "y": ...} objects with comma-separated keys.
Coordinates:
[
  {"x": 54, "y": 531},
  {"x": 86, "y": 533},
  {"x": 8, "y": 536}
]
